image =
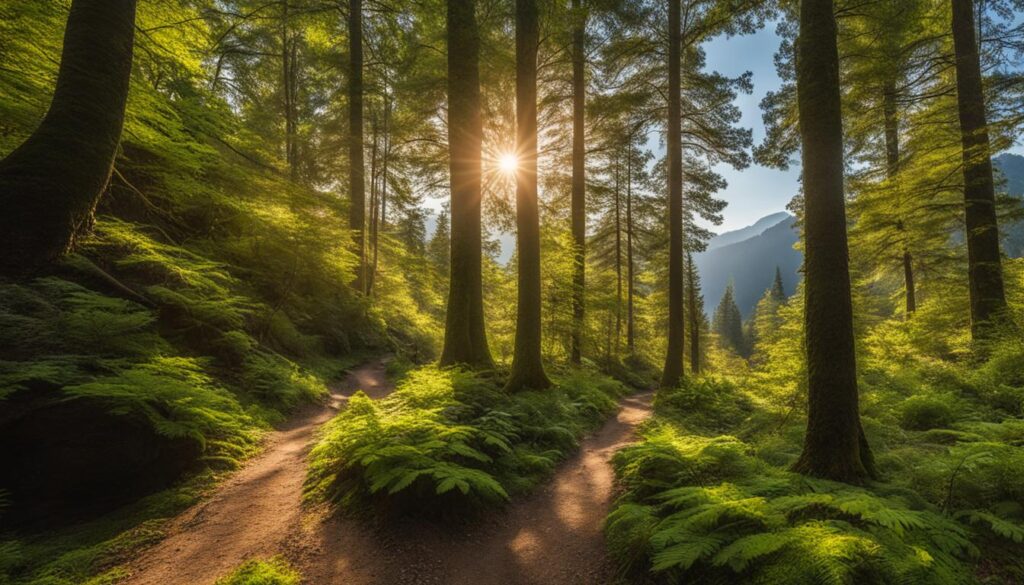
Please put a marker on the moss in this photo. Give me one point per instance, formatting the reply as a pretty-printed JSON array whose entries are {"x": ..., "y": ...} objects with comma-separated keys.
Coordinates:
[{"x": 274, "y": 571}]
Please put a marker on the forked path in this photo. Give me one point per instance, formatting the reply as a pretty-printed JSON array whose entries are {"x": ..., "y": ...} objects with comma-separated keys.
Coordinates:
[
  {"x": 553, "y": 537},
  {"x": 256, "y": 511}
]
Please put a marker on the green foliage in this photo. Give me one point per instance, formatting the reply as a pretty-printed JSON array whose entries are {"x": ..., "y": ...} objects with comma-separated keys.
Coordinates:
[
  {"x": 448, "y": 439},
  {"x": 274, "y": 571},
  {"x": 700, "y": 507},
  {"x": 921, "y": 413}
]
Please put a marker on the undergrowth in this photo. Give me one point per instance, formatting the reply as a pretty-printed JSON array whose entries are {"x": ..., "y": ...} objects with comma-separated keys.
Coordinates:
[
  {"x": 273, "y": 571},
  {"x": 708, "y": 498},
  {"x": 449, "y": 440}
]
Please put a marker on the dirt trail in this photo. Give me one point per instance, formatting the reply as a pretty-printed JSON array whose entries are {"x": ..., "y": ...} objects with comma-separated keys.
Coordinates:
[
  {"x": 553, "y": 537},
  {"x": 253, "y": 514}
]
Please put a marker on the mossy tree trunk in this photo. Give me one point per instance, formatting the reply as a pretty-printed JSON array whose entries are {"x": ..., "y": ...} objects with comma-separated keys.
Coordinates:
[
  {"x": 51, "y": 184},
  {"x": 527, "y": 365},
  {"x": 673, "y": 371},
  {"x": 356, "y": 173},
  {"x": 579, "y": 205},
  {"x": 465, "y": 339},
  {"x": 984, "y": 269},
  {"x": 834, "y": 447}
]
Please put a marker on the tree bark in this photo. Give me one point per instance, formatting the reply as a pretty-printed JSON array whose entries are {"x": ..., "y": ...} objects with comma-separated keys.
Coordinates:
[
  {"x": 673, "y": 371},
  {"x": 984, "y": 268},
  {"x": 465, "y": 339},
  {"x": 630, "y": 330},
  {"x": 691, "y": 299},
  {"x": 527, "y": 365},
  {"x": 579, "y": 206},
  {"x": 618, "y": 258},
  {"x": 356, "y": 176},
  {"x": 51, "y": 184},
  {"x": 833, "y": 445},
  {"x": 890, "y": 114}
]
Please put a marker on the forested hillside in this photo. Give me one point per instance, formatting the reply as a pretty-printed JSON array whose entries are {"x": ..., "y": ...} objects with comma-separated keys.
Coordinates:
[{"x": 382, "y": 292}]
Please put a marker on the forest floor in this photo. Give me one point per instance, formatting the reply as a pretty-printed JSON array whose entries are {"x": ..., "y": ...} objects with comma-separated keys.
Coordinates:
[
  {"x": 255, "y": 512},
  {"x": 551, "y": 537}
]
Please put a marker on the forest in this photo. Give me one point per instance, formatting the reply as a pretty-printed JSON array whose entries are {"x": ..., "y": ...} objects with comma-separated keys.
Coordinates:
[{"x": 511, "y": 292}]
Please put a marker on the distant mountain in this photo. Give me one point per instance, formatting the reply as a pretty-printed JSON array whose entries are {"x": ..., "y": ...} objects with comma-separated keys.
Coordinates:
[
  {"x": 749, "y": 259},
  {"x": 1011, "y": 168},
  {"x": 748, "y": 232}
]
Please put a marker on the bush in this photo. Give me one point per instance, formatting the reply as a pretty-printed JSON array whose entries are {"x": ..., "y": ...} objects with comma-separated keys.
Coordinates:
[
  {"x": 448, "y": 439},
  {"x": 271, "y": 572},
  {"x": 924, "y": 412},
  {"x": 703, "y": 509}
]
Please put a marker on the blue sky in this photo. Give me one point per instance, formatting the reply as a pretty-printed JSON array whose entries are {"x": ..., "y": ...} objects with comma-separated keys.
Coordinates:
[{"x": 755, "y": 191}]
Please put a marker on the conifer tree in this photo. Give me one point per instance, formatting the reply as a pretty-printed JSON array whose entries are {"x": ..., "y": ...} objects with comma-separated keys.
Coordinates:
[
  {"x": 527, "y": 364},
  {"x": 672, "y": 373},
  {"x": 356, "y": 172},
  {"x": 834, "y": 445},
  {"x": 728, "y": 321},
  {"x": 51, "y": 184},
  {"x": 778, "y": 291},
  {"x": 465, "y": 339},
  {"x": 694, "y": 312},
  {"x": 984, "y": 266},
  {"x": 578, "y": 203}
]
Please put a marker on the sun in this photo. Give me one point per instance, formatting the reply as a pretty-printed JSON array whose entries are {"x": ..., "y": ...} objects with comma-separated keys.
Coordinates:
[{"x": 508, "y": 162}]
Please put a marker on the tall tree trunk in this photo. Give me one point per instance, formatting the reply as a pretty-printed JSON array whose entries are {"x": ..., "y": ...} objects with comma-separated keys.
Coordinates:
[
  {"x": 691, "y": 299},
  {"x": 289, "y": 73},
  {"x": 630, "y": 327},
  {"x": 356, "y": 176},
  {"x": 890, "y": 113},
  {"x": 579, "y": 205},
  {"x": 465, "y": 340},
  {"x": 374, "y": 201},
  {"x": 51, "y": 184},
  {"x": 673, "y": 372},
  {"x": 984, "y": 269},
  {"x": 618, "y": 258},
  {"x": 527, "y": 365},
  {"x": 833, "y": 446}
]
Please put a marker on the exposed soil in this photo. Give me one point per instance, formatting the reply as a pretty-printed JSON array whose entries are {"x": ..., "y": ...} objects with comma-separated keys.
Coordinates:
[
  {"x": 553, "y": 537},
  {"x": 254, "y": 513}
]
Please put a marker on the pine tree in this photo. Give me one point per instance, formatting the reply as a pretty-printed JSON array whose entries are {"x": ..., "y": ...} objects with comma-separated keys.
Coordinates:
[
  {"x": 527, "y": 363},
  {"x": 578, "y": 203},
  {"x": 834, "y": 445},
  {"x": 356, "y": 172},
  {"x": 728, "y": 322},
  {"x": 51, "y": 184},
  {"x": 777, "y": 291},
  {"x": 465, "y": 338},
  {"x": 672, "y": 373},
  {"x": 984, "y": 266},
  {"x": 694, "y": 313}
]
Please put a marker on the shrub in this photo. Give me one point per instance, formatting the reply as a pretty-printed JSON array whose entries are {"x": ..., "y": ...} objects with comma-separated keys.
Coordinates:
[
  {"x": 451, "y": 439},
  {"x": 702, "y": 509},
  {"x": 924, "y": 412}
]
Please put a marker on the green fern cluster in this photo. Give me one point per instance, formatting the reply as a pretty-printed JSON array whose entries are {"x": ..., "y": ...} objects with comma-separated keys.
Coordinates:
[
  {"x": 698, "y": 507},
  {"x": 704, "y": 509},
  {"x": 448, "y": 439}
]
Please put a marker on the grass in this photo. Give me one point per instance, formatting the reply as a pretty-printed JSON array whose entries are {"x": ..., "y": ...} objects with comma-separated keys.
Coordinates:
[{"x": 273, "y": 571}]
